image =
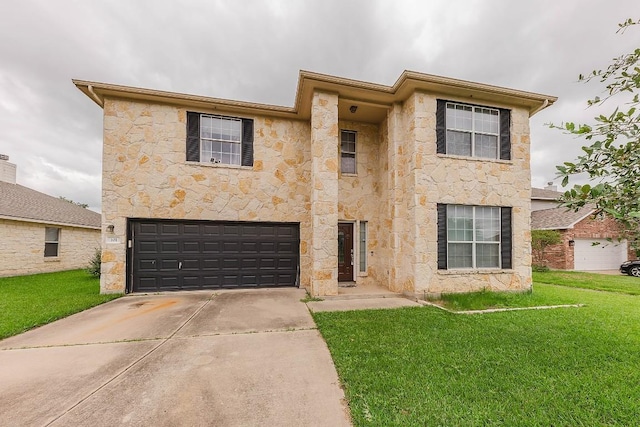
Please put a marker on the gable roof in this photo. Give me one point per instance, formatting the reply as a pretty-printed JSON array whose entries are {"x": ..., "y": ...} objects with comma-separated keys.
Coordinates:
[
  {"x": 559, "y": 218},
  {"x": 20, "y": 203},
  {"x": 373, "y": 100}
]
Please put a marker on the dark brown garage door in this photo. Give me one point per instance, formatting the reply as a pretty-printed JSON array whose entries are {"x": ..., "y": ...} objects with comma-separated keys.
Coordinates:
[{"x": 182, "y": 255}]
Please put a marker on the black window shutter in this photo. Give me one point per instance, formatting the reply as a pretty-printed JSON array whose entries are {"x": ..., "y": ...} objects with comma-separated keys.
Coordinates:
[
  {"x": 247, "y": 142},
  {"x": 506, "y": 238},
  {"x": 442, "y": 237},
  {"x": 193, "y": 137},
  {"x": 441, "y": 127},
  {"x": 505, "y": 134}
]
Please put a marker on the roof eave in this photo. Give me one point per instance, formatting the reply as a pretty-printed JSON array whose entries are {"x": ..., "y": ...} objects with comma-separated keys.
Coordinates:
[
  {"x": 308, "y": 82},
  {"x": 41, "y": 221}
]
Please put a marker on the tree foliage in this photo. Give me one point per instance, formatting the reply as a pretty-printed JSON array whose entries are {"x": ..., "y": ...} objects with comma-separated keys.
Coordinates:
[
  {"x": 82, "y": 205},
  {"x": 540, "y": 239},
  {"x": 612, "y": 158}
]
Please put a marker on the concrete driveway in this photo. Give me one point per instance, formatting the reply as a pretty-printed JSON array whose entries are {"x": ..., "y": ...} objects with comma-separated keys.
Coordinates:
[{"x": 234, "y": 358}]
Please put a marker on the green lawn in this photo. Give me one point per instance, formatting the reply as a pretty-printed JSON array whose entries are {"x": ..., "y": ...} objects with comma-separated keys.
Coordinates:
[
  {"x": 426, "y": 367},
  {"x": 602, "y": 282},
  {"x": 29, "y": 301}
]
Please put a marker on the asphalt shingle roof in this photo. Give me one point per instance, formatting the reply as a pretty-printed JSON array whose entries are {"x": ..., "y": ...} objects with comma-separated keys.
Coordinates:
[
  {"x": 22, "y": 203},
  {"x": 558, "y": 218}
]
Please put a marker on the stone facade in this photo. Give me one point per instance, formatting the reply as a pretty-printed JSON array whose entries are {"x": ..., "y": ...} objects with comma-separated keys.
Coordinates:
[
  {"x": 22, "y": 251},
  {"x": 296, "y": 177}
]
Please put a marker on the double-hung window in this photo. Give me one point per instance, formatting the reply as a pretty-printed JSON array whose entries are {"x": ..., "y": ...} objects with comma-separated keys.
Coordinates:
[
  {"x": 348, "y": 152},
  {"x": 219, "y": 139},
  {"x": 474, "y": 237},
  {"x": 473, "y": 131},
  {"x": 51, "y": 241}
]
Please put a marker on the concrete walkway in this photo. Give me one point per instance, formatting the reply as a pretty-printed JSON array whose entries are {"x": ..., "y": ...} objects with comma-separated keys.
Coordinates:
[{"x": 238, "y": 358}]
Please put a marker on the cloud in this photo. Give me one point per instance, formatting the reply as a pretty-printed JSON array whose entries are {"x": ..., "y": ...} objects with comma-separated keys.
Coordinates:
[{"x": 252, "y": 50}]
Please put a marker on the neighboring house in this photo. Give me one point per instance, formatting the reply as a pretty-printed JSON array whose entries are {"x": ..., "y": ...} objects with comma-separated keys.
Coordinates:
[
  {"x": 41, "y": 233},
  {"x": 422, "y": 187},
  {"x": 589, "y": 241}
]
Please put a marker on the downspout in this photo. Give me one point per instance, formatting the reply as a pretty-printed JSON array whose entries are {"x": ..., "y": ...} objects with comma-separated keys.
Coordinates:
[
  {"x": 95, "y": 96},
  {"x": 532, "y": 113}
]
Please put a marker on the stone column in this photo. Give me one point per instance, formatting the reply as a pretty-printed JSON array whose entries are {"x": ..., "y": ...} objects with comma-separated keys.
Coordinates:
[{"x": 324, "y": 194}]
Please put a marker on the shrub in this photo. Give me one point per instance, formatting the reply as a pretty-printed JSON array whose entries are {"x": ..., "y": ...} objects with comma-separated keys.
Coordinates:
[{"x": 94, "y": 265}]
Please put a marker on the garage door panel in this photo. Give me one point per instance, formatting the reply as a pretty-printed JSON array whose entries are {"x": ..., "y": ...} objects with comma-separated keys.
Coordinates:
[
  {"x": 169, "y": 247},
  {"x": 189, "y": 264},
  {"x": 148, "y": 247},
  {"x": 598, "y": 254},
  {"x": 211, "y": 264},
  {"x": 191, "y": 229},
  {"x": 191, "y": 247},
  {"x": 285, "y": 247},
  {"x": 211, "y": 247},
  {"x": 172, "y": 255},
  {"x": 231, "y": 230},
  {"x": 148, "y": 229},
  {"x": 169, "y": 264},
  {"x": 169, "y": 229}
]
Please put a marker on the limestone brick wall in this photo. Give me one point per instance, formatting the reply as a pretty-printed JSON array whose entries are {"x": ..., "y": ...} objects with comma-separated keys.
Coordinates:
[
  {"x": 145, "y": 175},
  {"x": 384, "y": 255},
  {"x": 459, "y": 180},
  {"x": 401, "y": 178},
  {"x": 359, "y": 198},
  {"x": 22, "y": 248},
  {"x": 324, "y": 193}
]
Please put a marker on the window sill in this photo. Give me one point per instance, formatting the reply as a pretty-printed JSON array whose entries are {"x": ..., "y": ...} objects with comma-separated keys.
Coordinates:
[
  {"x": 363, "y": 274},
  {"x": 348, "y": 174},
  {"x": 219, "y": 165},
  {"x": 471, "y": 271},
  {"x": 475, "y": 159},
  {"x": 52, "y": 259}
]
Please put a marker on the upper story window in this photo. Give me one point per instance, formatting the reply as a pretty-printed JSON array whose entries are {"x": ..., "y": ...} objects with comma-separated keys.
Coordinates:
[
  {"x": 473, "y": 131},
  {"x": 51, "y": 241},
  {"x": 219, "y": 139},
  {"x": 348, "y": 152}
]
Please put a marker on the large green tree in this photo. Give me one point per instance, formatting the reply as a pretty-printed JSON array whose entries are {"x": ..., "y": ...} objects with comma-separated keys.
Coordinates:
[{"x": 612, "y": 157}]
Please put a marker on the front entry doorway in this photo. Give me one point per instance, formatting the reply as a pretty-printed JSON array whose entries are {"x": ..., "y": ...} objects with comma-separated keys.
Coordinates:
[{"x": 345, "y": 252}]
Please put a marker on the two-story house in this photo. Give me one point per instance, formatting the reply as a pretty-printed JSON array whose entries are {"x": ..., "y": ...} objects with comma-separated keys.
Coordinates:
[{"x": 421, "y": 187}]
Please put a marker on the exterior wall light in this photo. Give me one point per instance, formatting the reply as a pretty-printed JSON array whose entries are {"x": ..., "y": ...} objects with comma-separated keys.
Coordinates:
[
  {"x": 353, "y": 108},
  {"x": 572, "y": 243},
  {"x": 110, "y": 228}
]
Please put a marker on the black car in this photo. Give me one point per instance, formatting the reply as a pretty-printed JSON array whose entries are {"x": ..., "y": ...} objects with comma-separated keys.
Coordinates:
[{"x": 632, "y": 268}]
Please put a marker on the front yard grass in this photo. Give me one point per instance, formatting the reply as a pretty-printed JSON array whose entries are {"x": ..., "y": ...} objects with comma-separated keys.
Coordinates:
[
  {"x": 30, "y": 301},
  {"x": 601, "y": 282},
  {"x": 423, "y": 366}
]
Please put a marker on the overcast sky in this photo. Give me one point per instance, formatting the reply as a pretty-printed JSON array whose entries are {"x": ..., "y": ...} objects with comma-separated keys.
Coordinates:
[{"x": 252, "y": 50}]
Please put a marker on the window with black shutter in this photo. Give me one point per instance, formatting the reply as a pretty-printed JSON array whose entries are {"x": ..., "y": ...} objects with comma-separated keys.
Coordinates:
[
  {"x": 474, "y": 237},
  {"x": 473, "y": 130},
  {"x": 219, "y": 139}
]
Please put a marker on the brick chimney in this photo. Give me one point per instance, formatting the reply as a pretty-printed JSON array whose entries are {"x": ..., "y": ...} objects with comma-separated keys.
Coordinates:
[{"x": 7, "y": 170}]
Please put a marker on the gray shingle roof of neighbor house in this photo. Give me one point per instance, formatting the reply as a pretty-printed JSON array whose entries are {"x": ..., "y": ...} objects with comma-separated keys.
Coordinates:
[
  {"x": 24, "y": 204},
  {"x": 559, "y": 218}
]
